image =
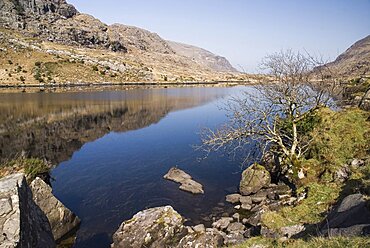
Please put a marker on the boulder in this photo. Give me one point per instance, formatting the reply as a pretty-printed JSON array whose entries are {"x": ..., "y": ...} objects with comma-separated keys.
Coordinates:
[
  {"x": 290, "y": 231},
  {"x": 163, "y": 227},
  {"x": 234, "y": 238},
  {"x": 155, "y": 227},
  {"x": 210, "y": 238},
  {"x": 350, "y": 218},
  {"x": 22, "y": 223},
  {"x": 233, "y": 198},
  {"x": 222, "y": 223},
  {"x": 199, "y": 228},
  {"x": 186, "y": 181},
  {"x": 61, "y": 219},
  {"x": 246, "y": 200},
  {"x": 253, "y": 179},
  {"x": 236, "y": 227}
]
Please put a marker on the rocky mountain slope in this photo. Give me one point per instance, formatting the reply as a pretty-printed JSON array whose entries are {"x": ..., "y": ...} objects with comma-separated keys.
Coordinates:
[
  {"x": 355, "y": 61},
  {"x": 202, "y": 56},
  {"x": 49, "y": 41}
]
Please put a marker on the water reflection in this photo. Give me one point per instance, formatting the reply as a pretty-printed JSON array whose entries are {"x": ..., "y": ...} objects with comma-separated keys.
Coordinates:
[{"x": 54, "y": 125}]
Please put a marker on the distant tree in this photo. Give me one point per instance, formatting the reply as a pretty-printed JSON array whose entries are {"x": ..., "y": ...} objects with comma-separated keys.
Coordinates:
[{"x": 273, "y": 113}]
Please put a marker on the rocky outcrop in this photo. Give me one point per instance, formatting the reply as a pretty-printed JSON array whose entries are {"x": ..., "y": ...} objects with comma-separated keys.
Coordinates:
[
  {"x": 253, "y": 179},
  {"x": 22, "y": 222},
  {"x": 355, "y": 60},
  {"x": 57, "y": 21},
  {"x": 365, "y": 101},
  {"x": 61, "y": 219},
  {"x": 163, "y": 227},
  {"x": 138, "y": 39},
  {"x": 186, "y": 181},
  {"x": 202, "y": 57},
  {"x": 350, "y": 218},
  {"x": 21, "y": 13}
]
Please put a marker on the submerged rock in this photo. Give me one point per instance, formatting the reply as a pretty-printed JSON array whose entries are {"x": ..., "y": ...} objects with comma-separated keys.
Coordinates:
[
  {"x": 253, "y": 179},
  {"x": 61, "y": 219},
  {"x": 163, "y": 227},
  {"x": 186, "y": 181},
  {"x": 22, "y": 223}
]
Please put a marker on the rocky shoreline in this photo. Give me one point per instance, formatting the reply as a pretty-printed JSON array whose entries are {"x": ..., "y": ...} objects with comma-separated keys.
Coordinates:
[{"x": 30, "y": 210}]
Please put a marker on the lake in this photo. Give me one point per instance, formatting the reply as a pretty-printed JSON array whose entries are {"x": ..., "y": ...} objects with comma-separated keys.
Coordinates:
[{"x": 111, "y": 149}]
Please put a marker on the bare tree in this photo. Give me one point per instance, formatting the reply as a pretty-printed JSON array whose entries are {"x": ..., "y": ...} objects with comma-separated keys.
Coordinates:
[{"x": 270, "y": 113}]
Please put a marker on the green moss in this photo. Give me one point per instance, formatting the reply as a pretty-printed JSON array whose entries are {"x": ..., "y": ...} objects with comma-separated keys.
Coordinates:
[
  {"x": 340, "y": 136},
  {"x": 337, "y": 242},
  {"x": 274, "y": 220},
  {"x": 309, "y": 211}
]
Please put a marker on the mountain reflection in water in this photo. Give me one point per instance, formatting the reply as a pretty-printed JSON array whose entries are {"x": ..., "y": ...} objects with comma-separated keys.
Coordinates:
[{"x": 54, "y": 125}]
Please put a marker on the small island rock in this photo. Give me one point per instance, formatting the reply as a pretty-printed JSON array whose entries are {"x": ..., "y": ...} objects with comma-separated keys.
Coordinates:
[{"x": 186, "y": 181}]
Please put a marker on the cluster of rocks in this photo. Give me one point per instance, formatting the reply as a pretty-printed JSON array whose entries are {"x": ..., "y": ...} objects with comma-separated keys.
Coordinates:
[
  {"x": 30, "y": 216},
  {"x": 343, "y": 173},
  {"x": 257, "y": 195}
]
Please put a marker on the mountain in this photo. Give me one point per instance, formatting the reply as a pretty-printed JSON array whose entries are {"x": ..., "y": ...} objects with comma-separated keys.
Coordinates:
[
  {"x": 63, "y": 45},
  {"x": 355, "y": 61},
  {"x": 202, "y": 56}
]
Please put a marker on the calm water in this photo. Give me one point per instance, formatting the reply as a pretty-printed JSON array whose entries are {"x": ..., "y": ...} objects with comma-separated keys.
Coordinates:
[{"x": 112, "y": 149}]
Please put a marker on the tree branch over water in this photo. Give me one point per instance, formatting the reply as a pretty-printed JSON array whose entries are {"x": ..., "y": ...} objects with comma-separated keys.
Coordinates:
[{"x": 273, "y": 113}]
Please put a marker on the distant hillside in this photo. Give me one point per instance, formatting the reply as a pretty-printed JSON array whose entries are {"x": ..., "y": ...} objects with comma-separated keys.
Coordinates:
[
  {"x": 355, "y": 61},
  {"x": 49, "y": 41},
  {"x": 202, "y": 56}
]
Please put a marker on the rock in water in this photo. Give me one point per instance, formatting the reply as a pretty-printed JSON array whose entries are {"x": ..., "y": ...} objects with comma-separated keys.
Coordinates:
[
  {"x": 254, "y": 178},
  {"x": 61, "y": 219},
  {"x": 22, "y": 223},
  {"x": 186, "y": 181}
]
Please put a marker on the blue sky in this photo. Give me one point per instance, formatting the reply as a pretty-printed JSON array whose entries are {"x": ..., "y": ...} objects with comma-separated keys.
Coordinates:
[{"x": 244, "y": 31}]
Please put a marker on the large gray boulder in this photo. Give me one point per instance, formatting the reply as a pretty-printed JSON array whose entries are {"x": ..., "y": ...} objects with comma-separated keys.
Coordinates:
[
  {"x": 154, "y": 227},
  {"x": 61, "y": 219},
  {"x": 185, "y": 180},
  {"x": 253, "y": 179},
  {"x": 22, "y": 223},
  {"x": 350, "y": 218},
  {"x": 163, "y": 227}
]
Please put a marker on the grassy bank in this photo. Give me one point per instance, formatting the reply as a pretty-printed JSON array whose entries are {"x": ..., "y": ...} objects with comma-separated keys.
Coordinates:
[
  {"x": 337, "y": 138},
  {"x": 31, "y": 167}
]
